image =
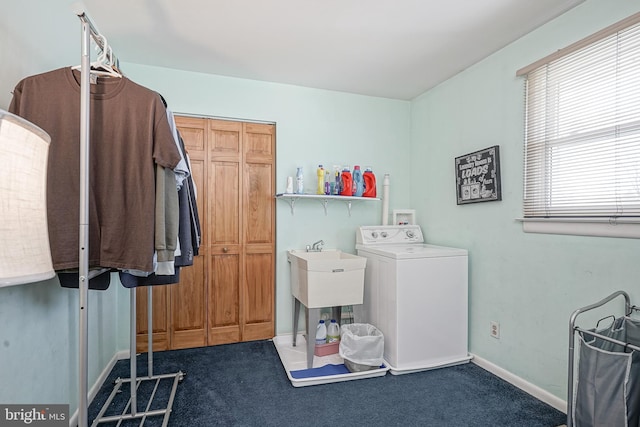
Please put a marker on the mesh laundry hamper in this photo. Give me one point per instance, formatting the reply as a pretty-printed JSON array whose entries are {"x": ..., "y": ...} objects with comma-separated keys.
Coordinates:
[{"x": 608, "y": 378}]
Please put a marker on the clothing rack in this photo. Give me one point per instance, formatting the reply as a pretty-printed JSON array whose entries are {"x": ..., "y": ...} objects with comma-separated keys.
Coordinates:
[
  {"x": 90, "y": 32},
  {"x": 131, "y": 410},
  {"x": 628, "y": 309}
]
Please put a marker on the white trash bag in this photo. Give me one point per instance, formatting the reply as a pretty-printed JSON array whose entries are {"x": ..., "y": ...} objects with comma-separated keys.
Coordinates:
[{"x": 361, "y": 346}]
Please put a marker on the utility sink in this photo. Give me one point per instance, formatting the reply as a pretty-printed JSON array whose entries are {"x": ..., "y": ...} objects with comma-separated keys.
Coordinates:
[{"x": 330, "y": 278}]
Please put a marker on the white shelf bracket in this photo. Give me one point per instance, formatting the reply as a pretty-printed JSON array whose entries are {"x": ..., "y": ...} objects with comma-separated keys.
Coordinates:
[{"x": 325, "y": 203}]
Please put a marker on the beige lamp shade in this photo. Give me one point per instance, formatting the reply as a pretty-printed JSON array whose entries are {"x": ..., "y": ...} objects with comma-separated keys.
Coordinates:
[{"x": 25, "y": 255}]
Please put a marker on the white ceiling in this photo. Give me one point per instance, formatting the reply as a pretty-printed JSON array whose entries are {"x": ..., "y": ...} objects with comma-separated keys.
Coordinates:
[{"x": 395, "y": 48}]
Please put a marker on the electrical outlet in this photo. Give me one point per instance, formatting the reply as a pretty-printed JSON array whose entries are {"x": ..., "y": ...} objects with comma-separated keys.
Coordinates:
[{"x": 495, "y": 329}]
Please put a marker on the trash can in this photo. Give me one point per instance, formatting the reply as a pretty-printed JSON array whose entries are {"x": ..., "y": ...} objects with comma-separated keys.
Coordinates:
[{"x": 361, "y": 347}]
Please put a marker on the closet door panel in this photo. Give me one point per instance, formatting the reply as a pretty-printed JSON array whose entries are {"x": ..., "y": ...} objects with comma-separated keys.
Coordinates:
[
  {"x": 160, "y": 319},
  {"x": 259, "y": 203},
  {"x": 225, "y": 138},
  {"x": 224, "y": 299},
  {"x": 258, "y": 304},
  {"x": 197, "y": 274},
  {"x": 259, "y": 142},
  {"x": 259, "y": 228},
  {"x": 224, "y": 208},
  {"x": 188, "y": 314},
  {"x": 193, "y": 132},
  {"x": 187, "y": 308},
  {"x": 225, "y": 175}
]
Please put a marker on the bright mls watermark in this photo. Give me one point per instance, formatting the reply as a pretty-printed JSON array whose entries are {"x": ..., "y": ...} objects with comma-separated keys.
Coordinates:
[{"x": 34, "y": 415}]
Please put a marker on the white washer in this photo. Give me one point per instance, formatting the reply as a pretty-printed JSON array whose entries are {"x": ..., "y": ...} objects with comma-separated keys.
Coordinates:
[{"x": 416, "y": 295}]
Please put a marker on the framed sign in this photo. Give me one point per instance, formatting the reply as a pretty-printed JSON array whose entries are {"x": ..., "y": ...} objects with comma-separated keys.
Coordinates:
[{"x": 478, "y": 176}]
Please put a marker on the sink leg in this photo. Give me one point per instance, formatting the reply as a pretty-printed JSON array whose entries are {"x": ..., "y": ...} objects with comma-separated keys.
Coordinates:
[
  {"x": 312, "y": 316},
  {"x": 359, "y": 315},
  {"x": 296, "y": 317}
]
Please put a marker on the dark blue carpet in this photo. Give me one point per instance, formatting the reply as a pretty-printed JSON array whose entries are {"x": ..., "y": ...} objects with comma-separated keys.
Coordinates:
[{"x": 245, "y": 385}]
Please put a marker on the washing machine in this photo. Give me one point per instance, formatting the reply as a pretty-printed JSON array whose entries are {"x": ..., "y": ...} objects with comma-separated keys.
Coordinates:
[{"x": 416, "y": 294}]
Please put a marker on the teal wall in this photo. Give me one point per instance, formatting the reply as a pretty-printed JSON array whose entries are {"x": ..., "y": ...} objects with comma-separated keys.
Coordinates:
[
  {"x": 39, "y": 341},
  {"x": 530, "y": 283}
]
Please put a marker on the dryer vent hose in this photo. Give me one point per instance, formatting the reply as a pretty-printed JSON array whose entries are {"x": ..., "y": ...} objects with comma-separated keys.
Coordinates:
[{"x": 385, "y": 200}]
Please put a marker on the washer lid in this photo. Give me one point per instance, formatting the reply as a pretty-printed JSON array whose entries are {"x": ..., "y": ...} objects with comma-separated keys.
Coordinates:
[{"x": 412, "y": 251}]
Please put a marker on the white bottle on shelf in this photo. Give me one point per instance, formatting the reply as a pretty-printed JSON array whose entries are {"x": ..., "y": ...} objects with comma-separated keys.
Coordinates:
[{"x": 289, "y": 189}]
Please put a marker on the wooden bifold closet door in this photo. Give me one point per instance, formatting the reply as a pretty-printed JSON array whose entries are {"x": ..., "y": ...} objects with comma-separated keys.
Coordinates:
[{"x": 228, "y": 295}]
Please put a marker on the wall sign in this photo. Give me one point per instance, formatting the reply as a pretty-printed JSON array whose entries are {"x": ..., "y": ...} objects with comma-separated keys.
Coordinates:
[{"x": 478, "y": 176}]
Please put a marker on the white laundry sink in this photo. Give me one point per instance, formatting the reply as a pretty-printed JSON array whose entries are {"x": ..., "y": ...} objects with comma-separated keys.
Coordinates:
[{"x": 330, "y": 278}]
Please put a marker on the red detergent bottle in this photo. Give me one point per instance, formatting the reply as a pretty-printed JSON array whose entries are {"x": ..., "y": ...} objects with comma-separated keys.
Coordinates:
[
  {"x": 369, "y": 183},
  {"x": 347, "y": 183}
]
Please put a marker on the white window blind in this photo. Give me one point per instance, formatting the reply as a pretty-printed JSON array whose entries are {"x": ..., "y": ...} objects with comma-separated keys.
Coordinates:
[{"x": 582, "y": 136}]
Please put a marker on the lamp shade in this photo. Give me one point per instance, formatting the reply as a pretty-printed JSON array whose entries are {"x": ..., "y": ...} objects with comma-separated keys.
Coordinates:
[{"x": 25, "y": 255}]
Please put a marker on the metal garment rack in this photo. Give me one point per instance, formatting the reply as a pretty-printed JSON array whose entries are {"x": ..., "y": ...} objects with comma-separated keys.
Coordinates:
[
  {"x": 131, "y": 410},
  {"x": 628, "y": 309}
]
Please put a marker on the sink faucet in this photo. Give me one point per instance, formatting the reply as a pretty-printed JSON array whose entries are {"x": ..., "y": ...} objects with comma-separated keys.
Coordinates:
[{"x": 316, "y": 247}]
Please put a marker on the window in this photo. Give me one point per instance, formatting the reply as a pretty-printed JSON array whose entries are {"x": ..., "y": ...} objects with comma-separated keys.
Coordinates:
[{"x": 582, "y": 136}]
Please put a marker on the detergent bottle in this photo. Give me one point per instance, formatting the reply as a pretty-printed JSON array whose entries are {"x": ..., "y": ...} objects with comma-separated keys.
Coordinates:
[
  {"x": 369, "y": 183},
  {"x": 336, "y": 185},
  {"x": 321, "y": 333},
  {"x": 299, "y": 181},
  {"x": 346, "y": 183},
  {"x": 358, "y": 183},
  {"x": 333, "y": 331},
  {"x": 327, "y": 182},
  {"x": 320, "y": 188}
]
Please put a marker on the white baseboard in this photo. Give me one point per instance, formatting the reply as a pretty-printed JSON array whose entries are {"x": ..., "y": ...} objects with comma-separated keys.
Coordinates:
[
  {"x": 526, "y": 386},
  {"x": 93, "y": 391}
]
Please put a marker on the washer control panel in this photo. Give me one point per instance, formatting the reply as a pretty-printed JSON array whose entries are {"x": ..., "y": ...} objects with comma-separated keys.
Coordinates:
[{"x": 389, "y": 234}]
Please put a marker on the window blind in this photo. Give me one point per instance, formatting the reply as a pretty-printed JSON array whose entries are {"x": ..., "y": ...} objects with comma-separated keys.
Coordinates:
[{"x": 582, "y": 136}]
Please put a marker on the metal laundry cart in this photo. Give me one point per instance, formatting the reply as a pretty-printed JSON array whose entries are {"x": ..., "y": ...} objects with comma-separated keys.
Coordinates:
[{"x": 606, "y": 391}]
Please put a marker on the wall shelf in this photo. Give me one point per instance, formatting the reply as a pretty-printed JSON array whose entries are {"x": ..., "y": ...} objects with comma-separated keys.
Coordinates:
[{"x": 323, "y": 199}]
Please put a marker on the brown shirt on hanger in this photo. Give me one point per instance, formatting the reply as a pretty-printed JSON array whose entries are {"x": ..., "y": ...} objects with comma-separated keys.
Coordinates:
[{"x": 129, "y": 135}]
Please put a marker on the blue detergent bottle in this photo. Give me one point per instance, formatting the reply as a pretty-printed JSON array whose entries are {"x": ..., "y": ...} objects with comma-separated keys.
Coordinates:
[
  {"x": 358, "y": 182},
  {"x": 299, "y": 181}
]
